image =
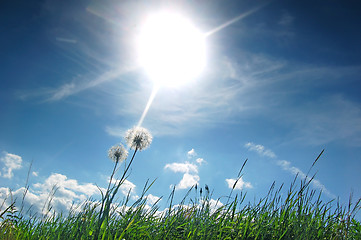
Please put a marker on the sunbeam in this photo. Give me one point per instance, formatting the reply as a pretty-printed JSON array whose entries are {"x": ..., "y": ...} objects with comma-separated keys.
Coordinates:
[
  {"x": 236, "y": 19},
  {"x": 150, "y": 100}
]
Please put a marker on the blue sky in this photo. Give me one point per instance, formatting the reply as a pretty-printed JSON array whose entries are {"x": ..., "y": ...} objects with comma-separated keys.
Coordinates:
[{"x": 280, "y": 84}]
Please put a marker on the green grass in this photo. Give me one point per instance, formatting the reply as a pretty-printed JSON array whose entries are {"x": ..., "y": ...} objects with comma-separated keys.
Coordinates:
[
  {"x": 298, "y": 213},
  {"x": 301, "y": 214}
]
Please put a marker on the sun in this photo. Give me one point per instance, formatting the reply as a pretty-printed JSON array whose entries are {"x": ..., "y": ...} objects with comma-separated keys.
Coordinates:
[{"x": 171, "y": 49}]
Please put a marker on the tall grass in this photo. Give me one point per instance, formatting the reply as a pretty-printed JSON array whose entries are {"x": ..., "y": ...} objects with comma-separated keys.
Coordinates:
[
  {"x": 301, "y": 214},
  {"x": 298, "y": 214}
]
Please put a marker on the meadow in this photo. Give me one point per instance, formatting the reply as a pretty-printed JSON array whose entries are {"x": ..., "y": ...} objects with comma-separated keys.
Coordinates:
[{"x": 298, "y": 214}]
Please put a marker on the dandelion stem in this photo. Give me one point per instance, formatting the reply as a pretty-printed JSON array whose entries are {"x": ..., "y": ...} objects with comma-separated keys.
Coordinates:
[
  {"x": 111, "y": 176},
  {"x": 106, "y": 197},
  {"x": 123, "y": 176}
]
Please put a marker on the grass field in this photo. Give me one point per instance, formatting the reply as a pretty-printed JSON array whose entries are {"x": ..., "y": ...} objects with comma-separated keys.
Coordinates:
[
  {"x": 298, "y": 214},
  {"x": 301, "y": 215}
]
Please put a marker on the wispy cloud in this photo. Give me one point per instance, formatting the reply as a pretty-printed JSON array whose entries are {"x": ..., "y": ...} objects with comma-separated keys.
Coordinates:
[
  {"x": 313, "y": 116},
  {"x": 327, "y": 119},
  {"x": 11, "y": 162},
  {"x": 287, "y": 166},
  {"x": 116, "y": 131},
  {"x": 66, "y": 40},
  {"x": 236, "y": 19},
  {"x": 241, "y": 184},
  {"x": 206, "y": 102},
  {"x": 260, "y": 149},
  {"x": 72, "y": 88},
  {"x": 286, "y": 19},
  {"x": 79, "y": 84},
  {"x": 260, "y": 84}
]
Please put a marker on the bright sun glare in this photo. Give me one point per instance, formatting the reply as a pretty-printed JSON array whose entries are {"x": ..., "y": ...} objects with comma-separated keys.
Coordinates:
[{"x": 171, "y": 49}]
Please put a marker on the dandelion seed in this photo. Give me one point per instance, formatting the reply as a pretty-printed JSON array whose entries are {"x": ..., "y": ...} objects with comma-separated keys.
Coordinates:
[
  {"x": 117, "y": 153},
  {"x": 138, "y": 138}
]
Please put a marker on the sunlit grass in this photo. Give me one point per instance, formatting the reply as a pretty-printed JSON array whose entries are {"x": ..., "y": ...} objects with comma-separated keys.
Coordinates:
[
  {"x": 301, "y": 215},
  {"x": 297, "y": 213}
]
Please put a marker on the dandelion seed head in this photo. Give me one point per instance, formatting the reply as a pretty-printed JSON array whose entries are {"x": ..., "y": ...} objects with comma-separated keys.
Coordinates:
[
  {"x": 138, "y": 138},
  {"x": 117, "y": 153}
]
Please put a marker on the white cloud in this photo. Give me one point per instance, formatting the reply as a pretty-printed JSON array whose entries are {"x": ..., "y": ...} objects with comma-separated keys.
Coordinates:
[
  {"x": 35, "y": 174},
  {"x": 67, "y": 187},
  {"x": 182, "y": 167},
  {"x": 213, "y": 204},
  {"x": 241, "y": 184},
  {"x": 191, "y": 153},
  {"x": 200, "y": 161},
  {"x": 189, "y": 170},
  {"x": 11, "y": 162},
  {"x": 188, "y": 181},
  {"x": 151, "y": 199},
  {"x": 260, "y": 149},
  {"x": 190, "y": 176},
  {"x": 4, "y": 193},
  {"x": 126, "y": 188},
  {"x": 62, "y": 191}
]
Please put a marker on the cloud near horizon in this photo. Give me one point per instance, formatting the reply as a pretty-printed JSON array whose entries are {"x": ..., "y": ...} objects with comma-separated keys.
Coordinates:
[
  {"x": 60, "y": 194},
  {"x": 127, "y": 188},
  {"x": 151, "y": 199},
  {"x": 57, "y": 191}
]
